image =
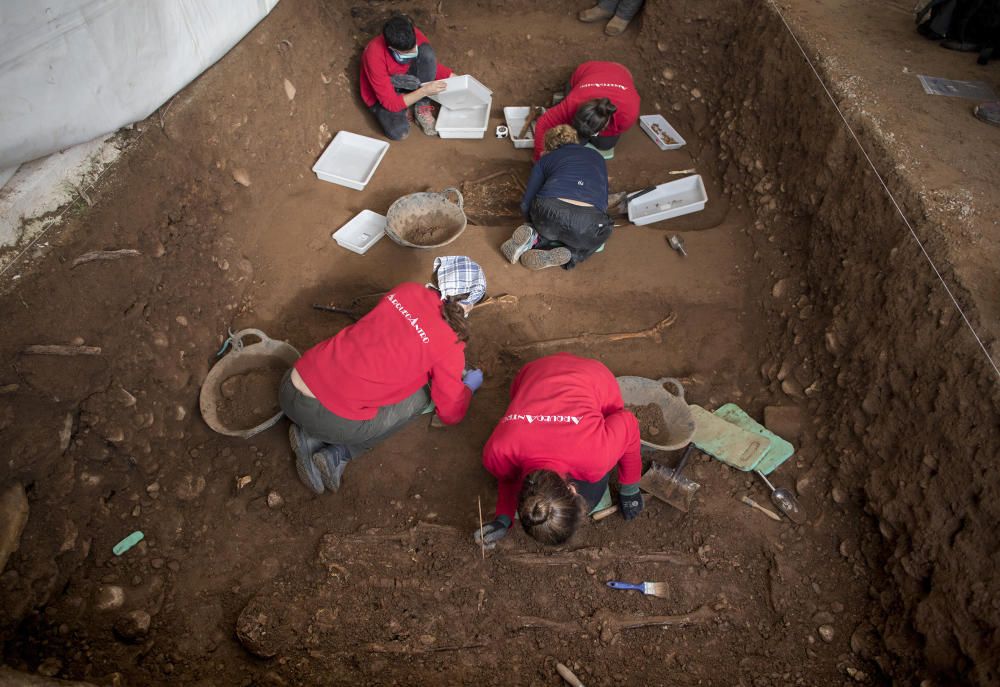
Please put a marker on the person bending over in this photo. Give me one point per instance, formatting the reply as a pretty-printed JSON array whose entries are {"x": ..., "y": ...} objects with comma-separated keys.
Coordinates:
[
  {"x": 404, "y": 358},
  {"x": 601, "y": 103},
  {"x": 399, "y": 70},
  {"x": 565, "y": 430},
  {"x": 565, "y": 203}
]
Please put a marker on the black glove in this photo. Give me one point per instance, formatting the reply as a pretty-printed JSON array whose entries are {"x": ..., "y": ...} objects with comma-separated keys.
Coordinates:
[
  {"x": 630, "y": 504},
  {"x": 492, "y": 532}
]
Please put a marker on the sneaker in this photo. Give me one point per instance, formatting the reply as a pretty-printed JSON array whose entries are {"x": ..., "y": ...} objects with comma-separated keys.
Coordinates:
[
  {"x": 424, "y": 115},
  {"x": 616, "y": 199},
  {"x": 540, "y": 259},
  {"x": 304, "y": 446},
  {"x": 330, "y": 461},
  {"x": 988, "y": 112},
  {"x": 595, "y": 13},
  {"x": 616, "y": 26},
  {"x": 524, "y": 238}
]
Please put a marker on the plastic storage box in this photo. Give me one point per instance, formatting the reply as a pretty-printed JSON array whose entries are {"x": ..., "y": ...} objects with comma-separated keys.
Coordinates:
[
  {"x": 673, "y": 199},
  {"x": 362, "y": 232},
  {"x": 350, "y": 160},
  {"x": 515, "y": 117},
  {"x": 656, "y": 127},
  {"x": 463, "y": 92},
  {"x": 469, "y": 122}
]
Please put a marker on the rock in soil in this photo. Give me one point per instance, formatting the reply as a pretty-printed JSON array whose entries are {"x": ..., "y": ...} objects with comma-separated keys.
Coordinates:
[
  {"x": 133, "y": 626},
  {"x": 259, "y": 628},
  {"x": 109, "y": 597},
  {"x": 13, "y": 517},
  {"x": 785, "y": 421},
  {"x": 652, "y": 426}
]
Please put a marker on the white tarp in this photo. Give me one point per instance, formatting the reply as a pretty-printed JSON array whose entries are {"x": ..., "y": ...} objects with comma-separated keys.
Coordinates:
[{"x": 71, "y": 70}]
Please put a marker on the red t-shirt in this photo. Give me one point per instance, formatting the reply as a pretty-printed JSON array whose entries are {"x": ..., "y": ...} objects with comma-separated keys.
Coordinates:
[
  {"x": 593, "y": 80},
  {"x": 566, "y": 414},
  {"x": 378, "y": 65},
  {"x": 384, "y": 357}
]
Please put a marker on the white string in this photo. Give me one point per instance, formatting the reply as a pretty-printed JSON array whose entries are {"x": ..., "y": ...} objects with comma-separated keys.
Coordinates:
[{"x": 878, "y": 176}]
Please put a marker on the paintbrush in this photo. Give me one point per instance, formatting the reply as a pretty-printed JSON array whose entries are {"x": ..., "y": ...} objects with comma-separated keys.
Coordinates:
[{"x": 658, "y": 589}]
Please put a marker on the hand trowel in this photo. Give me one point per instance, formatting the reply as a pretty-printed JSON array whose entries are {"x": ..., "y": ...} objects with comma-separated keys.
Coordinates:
[{"x": 669, "y": 485}]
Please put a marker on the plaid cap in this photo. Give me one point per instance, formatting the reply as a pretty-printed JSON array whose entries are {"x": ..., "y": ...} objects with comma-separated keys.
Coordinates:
[{"x": 457, "y": 275}]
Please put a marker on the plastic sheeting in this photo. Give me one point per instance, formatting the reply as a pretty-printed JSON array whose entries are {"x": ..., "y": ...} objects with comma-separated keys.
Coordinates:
[{"x": 71, "y": 70}]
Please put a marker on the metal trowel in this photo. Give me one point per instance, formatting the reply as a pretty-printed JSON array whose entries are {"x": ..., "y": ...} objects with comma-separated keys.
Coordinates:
[{"x": 669, "y": 485}]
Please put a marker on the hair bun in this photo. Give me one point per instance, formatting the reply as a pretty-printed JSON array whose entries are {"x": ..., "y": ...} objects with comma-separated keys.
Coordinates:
[{"x": 538, "y": 512}]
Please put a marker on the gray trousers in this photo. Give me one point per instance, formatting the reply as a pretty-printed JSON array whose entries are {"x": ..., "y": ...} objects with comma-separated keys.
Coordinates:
[
  {"x": 422, "y": 70},
  {"x": 357, "y": 435},
  {"x": 626, "y": 9}
]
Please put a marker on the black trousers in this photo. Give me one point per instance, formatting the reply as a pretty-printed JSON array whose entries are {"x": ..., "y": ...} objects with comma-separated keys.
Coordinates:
[
  {"x": 422, "y": 70},
  {"x": 582, "y": 229}
]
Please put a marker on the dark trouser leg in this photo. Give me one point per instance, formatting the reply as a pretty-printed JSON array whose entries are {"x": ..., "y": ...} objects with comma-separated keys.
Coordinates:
[
  {"x": 357, "y": 435},
  {"x": 609, "y": 5},
  {"x": 627, "y": 9},
  {"x": 424, "y": 68},
  {"x": 581, "y": 229},
  {"x": 604, "y": 142},
  {"x": 592, "y": 491},
  {"x": 394, "y": 124}
]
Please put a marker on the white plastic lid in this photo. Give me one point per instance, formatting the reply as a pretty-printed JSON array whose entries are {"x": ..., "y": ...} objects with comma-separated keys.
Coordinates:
[{"x": 463, "y": 92}]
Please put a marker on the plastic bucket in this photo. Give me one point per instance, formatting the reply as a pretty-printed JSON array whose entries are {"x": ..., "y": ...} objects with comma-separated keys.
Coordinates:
[
  {"x": 242, "y": 359},
  {"x": 677, "y": 418},
  {"x": 430, "y": 215}
]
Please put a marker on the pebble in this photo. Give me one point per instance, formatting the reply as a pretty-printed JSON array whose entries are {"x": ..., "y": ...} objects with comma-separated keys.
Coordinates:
[
  {"x": 791, "y": 387},
  {"x": 243, "y": 481},
  {"x": 695, "y": 93},
  {"x": 133, "y": 626},
  {"x": 109, "y": 597},
  {"x": 823, "y": 618},
  {"x": 180, "y": 413},
  {"x": 838, "y": 495},
  {"x": 241, "y": 177},
  {"x": 181, "y": 320},
  {"x": 289, "y": 91},
  {"x": 14, "y": 510},
  {"x": 77, "y": 341},
  {"x": 662, "y": 46},
  {"x": 826, "y": 633},
  {"x": 50, "y": 667},
  {"x": 157, "y": 563},
  {"x": 668, "y": 73},
  {"x": 175, "y": 566}
]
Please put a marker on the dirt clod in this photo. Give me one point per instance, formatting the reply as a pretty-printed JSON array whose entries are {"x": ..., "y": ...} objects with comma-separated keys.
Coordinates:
[{"x": 133, "y": 626}]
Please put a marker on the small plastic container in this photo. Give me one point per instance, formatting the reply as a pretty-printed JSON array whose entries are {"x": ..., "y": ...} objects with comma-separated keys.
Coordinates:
[
  {"x": 673, "y": 199},
  {"x": 470, "y": 122},
  {"x": 361, "y": 233},
  {"x": 462, "y": 93},
  {"x": 515, "y": 118},
  {"x": 350, "y": 160},
  {"x": 656, "y": 127}
]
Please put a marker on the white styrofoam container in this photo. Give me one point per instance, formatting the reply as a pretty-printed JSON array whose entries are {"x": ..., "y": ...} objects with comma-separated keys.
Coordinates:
[
  {"x": 463, "y": 92},
  {"x": 673, "y": 199},
  {"x": 362, "y": 232},
  {"x": 646, "y": 123},
  {"x": 515, "y": 118},
  {"x": 350, "y": 160},
  {"x": 470, "y": 122}
]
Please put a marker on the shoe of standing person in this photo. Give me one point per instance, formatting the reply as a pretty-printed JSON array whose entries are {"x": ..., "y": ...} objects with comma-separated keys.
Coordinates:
[
  {"x": 616, "y": 26},
  {"x": 988, "y": 112},
  {"x": 595, "y": 13},
  {"x": 424, "y": 115}
]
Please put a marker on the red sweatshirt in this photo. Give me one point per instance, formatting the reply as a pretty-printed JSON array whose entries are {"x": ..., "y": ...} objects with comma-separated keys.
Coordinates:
[
  {"x": 384, "y": 357},
  {"x": 378, "y": 65},
  {"x": 566, "y": 414},
  {"x": 593, "y": 80}
]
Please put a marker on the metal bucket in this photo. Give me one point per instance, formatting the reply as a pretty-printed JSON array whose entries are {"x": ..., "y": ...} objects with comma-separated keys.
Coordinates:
[
  {"x": 242, "y": 359},
  {"x": 426, "y": 220},
  {"x": 677, "y": 418}
]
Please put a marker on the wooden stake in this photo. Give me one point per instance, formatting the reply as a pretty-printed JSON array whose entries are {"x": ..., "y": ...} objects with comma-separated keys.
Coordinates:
[{"x": 482, "y": 542}]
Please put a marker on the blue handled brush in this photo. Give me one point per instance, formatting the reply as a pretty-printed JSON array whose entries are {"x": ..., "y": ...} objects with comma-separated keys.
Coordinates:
[{"x": 658, "y": 589}]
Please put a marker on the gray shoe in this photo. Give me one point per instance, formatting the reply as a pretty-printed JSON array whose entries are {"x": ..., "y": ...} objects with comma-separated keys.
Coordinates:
[
  {"x": 524, "y": 238},
  {"x": 540, "y": 259},
  {"x": 331, "y": 461},
  {"x": 304, "y": 446}
]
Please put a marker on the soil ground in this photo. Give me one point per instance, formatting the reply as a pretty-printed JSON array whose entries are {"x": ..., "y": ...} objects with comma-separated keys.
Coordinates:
[{"x": 380, "y": 583}]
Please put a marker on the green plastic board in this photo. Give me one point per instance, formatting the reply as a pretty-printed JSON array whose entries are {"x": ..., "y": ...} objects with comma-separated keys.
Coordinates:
[
  {"x": 727, "y": 442},
  {"x": 778, "y": 450}
]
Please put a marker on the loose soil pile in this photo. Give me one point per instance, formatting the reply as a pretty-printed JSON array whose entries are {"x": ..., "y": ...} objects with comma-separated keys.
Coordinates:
[
  {"x": 652, "y": 427},
  {"x": 250, "y": 398},
  {"x": 430, "y": 228}
]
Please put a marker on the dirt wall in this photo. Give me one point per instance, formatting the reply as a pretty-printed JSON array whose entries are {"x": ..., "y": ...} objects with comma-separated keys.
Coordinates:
[{"x": 903, "y": 396}]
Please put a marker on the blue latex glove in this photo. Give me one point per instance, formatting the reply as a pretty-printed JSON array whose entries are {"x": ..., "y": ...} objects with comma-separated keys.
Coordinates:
[{"x": 473, "y": 379}]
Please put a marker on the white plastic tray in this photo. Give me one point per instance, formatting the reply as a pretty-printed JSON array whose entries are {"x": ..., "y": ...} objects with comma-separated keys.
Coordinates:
[
  {"x": 673, "y": 199},
  {"x": 463, "y": 92},
  {"x": 350, "y": 160},
  {"x": 646, "y": 123},
  {"x": 470, "y": 122},
  {"x": 362, "y": 232},
  {"x": 515, "y": 118}
]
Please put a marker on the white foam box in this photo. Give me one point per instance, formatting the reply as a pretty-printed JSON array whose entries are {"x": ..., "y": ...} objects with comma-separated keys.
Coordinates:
[
  {"x": 646, "y": 123},
  {"x": 470, "y": 122},
  {"x": 350, "y": 160},
  {"x": 462, "y": 93},
  {"x": 362, "y": 232},
  {"x": 673, "y": 199},
  {"x": 515, "y": 117}
]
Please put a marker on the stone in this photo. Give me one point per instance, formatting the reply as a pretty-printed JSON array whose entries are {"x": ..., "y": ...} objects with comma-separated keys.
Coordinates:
[
  {"x": 190, "y": 487},
  {"x": 826, "y": 633},
  {"x": 13, "y": 517},
  {"x": 181, "y": 320},
  {"x": 241, "y": 177},
  {"x": 785, "y": 421},
  {"x": 668, "y": 73},
  {"x": 109, "y": 597},
  {"x": 275, "y": 500},
  {"x": 160, "y": 340},
  {"x": 838, "y": 495},
  {"x": 791, "y": 388},
  {"x": 289, "y": 93},
  {"x": 695, "y": 93},
  {"x": 133, "y": 626},
  {"x": 50, "y": 667}
]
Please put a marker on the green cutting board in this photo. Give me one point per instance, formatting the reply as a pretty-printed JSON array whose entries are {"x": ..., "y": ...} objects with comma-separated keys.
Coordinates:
[
  {"x": 726, "y": 441},
  {"x": 778, "y": 450}
]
